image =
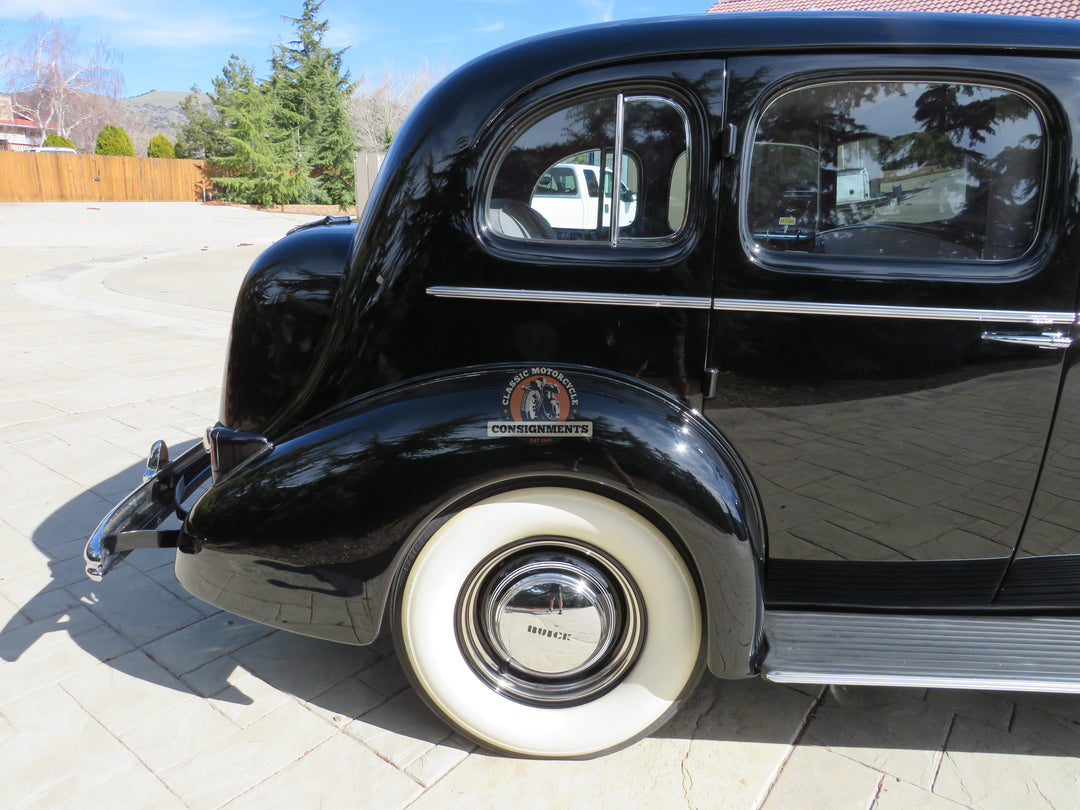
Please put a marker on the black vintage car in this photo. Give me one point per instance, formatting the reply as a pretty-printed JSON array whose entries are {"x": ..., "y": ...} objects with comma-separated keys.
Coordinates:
[{"x": 798, "y": 401}]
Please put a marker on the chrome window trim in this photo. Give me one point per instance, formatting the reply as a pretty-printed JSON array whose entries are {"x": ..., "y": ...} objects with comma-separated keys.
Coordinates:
[
  {"x": 646, "y": 240},
  {"x": 753, "y": 305},
  {"x": 616, "y": 173}
]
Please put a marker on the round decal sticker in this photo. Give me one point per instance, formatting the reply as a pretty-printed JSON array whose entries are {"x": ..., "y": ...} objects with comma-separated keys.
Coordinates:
[
  {"x": 539, "y": 399},
  {"x": 540, "y": 404}
]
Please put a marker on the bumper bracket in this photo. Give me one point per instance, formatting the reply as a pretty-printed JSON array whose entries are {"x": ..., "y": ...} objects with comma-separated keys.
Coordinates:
[{"x": 133, "y": 522}]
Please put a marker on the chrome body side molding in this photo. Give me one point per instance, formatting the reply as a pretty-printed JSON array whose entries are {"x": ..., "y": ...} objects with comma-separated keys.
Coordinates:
[
  {"x": 876, "y": 311},
  {"x": 753, "y": 305},
  {"x": 558, "y": 297}
]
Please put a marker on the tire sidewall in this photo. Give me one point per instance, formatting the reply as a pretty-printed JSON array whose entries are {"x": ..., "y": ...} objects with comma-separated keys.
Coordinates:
[{"x": 426, "y": 633}]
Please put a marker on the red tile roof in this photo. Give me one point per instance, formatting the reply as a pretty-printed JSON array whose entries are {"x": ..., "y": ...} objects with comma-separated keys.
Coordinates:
[
  {"x": 26, "y": 123},
  {"x": 1026, "y": 8}
]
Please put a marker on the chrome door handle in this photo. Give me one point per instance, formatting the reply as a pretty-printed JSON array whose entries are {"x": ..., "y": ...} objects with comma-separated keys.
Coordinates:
[{"x": 1045, "y": 340}]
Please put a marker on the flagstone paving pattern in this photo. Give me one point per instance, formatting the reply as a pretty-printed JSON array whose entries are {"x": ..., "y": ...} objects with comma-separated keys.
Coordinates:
[{"x": 130, "y": 693}]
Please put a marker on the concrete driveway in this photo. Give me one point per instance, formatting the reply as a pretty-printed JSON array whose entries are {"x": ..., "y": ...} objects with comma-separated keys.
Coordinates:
[{"x": 130, "y": 693}]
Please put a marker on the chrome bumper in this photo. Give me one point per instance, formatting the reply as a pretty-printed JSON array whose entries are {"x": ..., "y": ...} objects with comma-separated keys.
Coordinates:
[{"x": 133, "y": 522}]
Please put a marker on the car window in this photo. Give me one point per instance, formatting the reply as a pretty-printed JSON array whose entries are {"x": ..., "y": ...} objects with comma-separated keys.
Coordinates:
[
  {"x": 897, "y": 170},
  {"x": 592, "y": 185},
  {"x": 547, "y": 186},
  {"x": 558, "y": 181}
]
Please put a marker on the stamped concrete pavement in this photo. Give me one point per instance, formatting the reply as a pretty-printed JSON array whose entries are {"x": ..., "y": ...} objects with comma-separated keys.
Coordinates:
[{"x": 130, "y": 693}]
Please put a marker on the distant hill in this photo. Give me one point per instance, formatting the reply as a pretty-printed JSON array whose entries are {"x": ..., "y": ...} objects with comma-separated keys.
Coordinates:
[{"x": 157, "y": 111}]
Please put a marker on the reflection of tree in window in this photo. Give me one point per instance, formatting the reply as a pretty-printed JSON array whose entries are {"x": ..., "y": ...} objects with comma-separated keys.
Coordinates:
[
  {"x": 950, "y": 129},
  {"x": 995, "y": 138},
  {"x": 591, "y": 124},
  {"x": 955, "y": 165},
  {"x": 654, "y": 137},
  {"x": 583, "y": 127}
]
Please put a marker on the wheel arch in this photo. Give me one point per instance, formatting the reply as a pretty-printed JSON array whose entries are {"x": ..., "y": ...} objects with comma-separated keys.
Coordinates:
[
  {"x": 728, "y": 579},
  {"x": 367, "y": 484}
]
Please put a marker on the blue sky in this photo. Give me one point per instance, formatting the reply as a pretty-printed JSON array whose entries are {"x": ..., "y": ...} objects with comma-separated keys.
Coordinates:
[{"x": 173, "y": 44}]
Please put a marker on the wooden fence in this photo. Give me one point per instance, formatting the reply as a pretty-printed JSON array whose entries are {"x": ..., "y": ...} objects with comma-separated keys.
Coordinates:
[{"x": 60, "y": 177}]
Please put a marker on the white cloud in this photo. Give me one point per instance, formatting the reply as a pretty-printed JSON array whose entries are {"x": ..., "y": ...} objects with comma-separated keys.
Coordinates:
[
  {"x": 601, "y": 10},
  {"x": 73, "y": 9},
  {"x": 345, "y": 35},
  {"x": 153, "y": 23},
  {"x": 489, "y": 27},
  {"x": 186, "y": 33}
]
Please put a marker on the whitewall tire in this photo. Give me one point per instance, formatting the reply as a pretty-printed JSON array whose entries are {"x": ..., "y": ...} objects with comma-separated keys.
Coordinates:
[{"x": 550, "y": 622}]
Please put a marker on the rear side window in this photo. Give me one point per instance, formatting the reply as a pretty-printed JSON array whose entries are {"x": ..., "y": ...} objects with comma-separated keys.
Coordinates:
[
  {"x": 902, "y": 170},
  {"x": 611, "y": 170}
]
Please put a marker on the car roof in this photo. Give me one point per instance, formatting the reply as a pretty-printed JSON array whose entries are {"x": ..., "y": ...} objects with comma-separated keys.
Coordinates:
[
  {"x": 513, "y": 70},
  {"x": 802, "y": 31}
]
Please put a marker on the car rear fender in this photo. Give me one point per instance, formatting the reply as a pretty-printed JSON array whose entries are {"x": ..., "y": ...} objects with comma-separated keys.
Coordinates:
[{"x": 336, "y": 507}]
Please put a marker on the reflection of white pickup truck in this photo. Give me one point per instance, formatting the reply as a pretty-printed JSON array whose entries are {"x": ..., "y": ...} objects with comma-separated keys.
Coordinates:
[
  {"x": 852, "y": 186},
  {"x": 568, "y": 193}
]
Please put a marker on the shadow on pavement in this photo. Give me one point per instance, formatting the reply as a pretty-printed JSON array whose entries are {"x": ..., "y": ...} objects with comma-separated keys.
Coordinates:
[{"x": 198, "y": 650}]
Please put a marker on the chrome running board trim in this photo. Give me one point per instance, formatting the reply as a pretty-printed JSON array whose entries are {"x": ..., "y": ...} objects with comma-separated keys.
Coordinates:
[
  {"x": 752, "y": 305},
  {"x": 1013, "y": 653},
  {"x": 927, "y": 682}
]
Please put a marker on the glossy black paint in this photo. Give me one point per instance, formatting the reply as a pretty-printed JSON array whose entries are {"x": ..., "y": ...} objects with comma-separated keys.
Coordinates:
[
  {"x": 882, "y": 448},
  {"x": 420, "y": 226},
  {"x": 281, "y": 313},
  {"x": 333, "y": 509},
  {"x": 1046, "y": 570},
  {"x": 892, "y": 451},
  {"x": 419, "y": 231}
]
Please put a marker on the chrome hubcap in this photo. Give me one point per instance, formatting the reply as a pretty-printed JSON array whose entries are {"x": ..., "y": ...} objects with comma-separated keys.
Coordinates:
[{"x": 550, "y": 620}]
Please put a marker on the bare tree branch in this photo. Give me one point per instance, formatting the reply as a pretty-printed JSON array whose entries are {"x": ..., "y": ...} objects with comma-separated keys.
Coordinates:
[
  {"x": 378, "y": 109},
  {"x": 54, "y": 74}
]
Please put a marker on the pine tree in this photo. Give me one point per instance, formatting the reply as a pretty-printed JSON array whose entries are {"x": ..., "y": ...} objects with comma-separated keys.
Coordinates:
[
  {"x": 202, "y": 137},
  {"x": 314, "y": 92},
  {"x": 255, "y": 151},
  {"x": 284, "y": 139}
]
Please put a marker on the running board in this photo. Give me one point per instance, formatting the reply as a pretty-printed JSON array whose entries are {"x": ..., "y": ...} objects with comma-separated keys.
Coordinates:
[{"x": 1014, "y": 653}]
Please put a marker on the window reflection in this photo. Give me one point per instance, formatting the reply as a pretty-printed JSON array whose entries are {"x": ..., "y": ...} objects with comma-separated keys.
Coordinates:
[
  {"x": 906, "y": 170},
  {"x": 558, "y": 180}
]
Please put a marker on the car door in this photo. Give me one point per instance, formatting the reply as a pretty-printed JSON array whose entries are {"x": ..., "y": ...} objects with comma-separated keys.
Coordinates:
[
  {"x": 892, "y": 306},
  {"x": 632, "y": 298}
]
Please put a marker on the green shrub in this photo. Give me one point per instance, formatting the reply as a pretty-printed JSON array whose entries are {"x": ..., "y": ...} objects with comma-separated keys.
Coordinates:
[
  {"x": 160, "y": 147},
  {"x": 114, "y": 141},
  {"x": 58, "y": 140}
]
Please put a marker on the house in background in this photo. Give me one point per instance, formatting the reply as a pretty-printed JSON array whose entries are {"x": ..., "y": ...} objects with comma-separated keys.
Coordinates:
[
  {"x": 18, "y": 131},
  {"x": 1025, "y": 8}
]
